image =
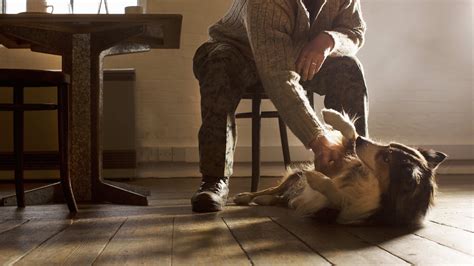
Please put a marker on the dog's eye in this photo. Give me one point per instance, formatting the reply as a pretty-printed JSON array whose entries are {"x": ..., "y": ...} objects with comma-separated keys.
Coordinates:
[{"x": 386, "y": 158}]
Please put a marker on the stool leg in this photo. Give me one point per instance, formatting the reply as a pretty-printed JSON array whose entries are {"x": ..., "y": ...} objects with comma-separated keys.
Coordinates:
[
  {"x": 63, "y": 106},
  {"x": 284, "y": 143},
  {"x": 256, "y": 119},
  {"x": 18, "y": 135}
]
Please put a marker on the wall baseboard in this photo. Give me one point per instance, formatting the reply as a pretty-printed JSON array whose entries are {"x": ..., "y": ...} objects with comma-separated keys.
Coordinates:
[
  {"x": 48, "y": 160},
  {"x": 184, "y": 161},
  {"x": 272, "y": 153}
]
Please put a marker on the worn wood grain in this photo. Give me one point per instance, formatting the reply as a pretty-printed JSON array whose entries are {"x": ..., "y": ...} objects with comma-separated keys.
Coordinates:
[
  {"x": 448, "y": 236},
  {"x": 412, "y": 248},
  {"x": 23, "y": 239},
  {"x": 205, "y": 240},
  {"x": 336, "y": 244},
  {"x": 144, "y": 240},
  {"x": 7, "y": 225},
  {"x": 168, "y": 232},
  {"x": 80, "y": 244},
  {"x": 267, "y": 243}
]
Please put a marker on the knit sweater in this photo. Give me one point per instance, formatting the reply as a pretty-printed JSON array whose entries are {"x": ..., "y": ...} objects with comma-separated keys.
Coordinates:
[{"x": 273, "y": 32}]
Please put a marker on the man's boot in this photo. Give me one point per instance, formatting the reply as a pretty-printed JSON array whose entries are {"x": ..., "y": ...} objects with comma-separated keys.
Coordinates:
[{"x": 211, "y": 195}]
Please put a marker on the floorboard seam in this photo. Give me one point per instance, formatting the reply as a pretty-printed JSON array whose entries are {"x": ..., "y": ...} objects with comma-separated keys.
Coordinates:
[
  {"x": 377, "y": 245},
  {"x": 172, "y": 240},
  {"x": 18, "y": 225},
  {"x": 448, "y": 225},
  {"x": 42, "y": 243},
  {"x": 110, "y": 240},
  {"x": 236, "y": 240},
  {"x": 297, "y": 237},
  {"x": 441, "y": 244}
]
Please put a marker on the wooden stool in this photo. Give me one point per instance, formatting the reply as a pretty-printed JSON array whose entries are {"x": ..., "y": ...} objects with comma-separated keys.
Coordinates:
[
  {"x": 18, "y": 79},
  {"x": 257, "y": 94}
]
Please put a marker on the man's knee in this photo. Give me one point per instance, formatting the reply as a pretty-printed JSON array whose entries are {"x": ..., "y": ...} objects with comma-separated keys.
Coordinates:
[
  {"x": 345, "y": 63},
  {"x": 215, "y": 58}
]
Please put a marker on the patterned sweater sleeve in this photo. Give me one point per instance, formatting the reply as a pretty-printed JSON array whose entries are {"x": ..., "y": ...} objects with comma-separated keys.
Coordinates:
[
  {"x": 349, "y": 29},
  {"x": 269, "y": 25}
]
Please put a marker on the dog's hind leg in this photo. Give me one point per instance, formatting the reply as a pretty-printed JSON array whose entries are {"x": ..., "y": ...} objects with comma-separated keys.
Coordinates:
[
  {"x": 325, "y": 185},
  {"x": 246, "y": 197},
  {"x": 340, "y": 123}
]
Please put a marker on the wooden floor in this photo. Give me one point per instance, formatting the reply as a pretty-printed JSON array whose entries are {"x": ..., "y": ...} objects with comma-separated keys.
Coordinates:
[{"x": 168, "y": 233}]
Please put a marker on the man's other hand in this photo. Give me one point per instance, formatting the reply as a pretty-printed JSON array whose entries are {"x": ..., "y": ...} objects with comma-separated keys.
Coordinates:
[{"x": 313, "y": 55}]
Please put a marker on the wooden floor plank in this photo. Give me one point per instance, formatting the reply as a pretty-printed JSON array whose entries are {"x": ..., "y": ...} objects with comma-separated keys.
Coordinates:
[
  {"x": 448, "y": 236},
  {"x": 267, "y": 243},
  {"x": 79, "y": 244},
  {"x": 337, "y": 245},
  {"x": 18, "y": 242},
  {"x": 454, "y": 207},
  {"x": 7, "y": 225},
  {"x": 454, "y": 220},
  {"x": 140, "y": 241},
  {"x": 205, "y": 240},
  {"x": 411, "y": 248}
]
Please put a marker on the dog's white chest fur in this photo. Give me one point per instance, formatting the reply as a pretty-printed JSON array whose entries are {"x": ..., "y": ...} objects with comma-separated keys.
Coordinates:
[{"x": 357, "y": 199}]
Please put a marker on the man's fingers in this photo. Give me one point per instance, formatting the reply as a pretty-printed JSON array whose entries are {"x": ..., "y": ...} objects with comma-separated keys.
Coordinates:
[
  {"x": 306, "y": 69},
  {"x": 300, "y": 62},
  {"x": 313, "y": 69}
]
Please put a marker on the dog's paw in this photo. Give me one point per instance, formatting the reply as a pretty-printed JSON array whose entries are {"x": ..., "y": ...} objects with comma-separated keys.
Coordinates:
[
  {"x": 340, "y": 122},
  {"x": 243, "y": 198}
]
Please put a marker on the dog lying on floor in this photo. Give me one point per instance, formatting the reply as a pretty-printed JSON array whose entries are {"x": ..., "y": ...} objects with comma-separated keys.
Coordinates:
[{"x": 372, "y": 183}]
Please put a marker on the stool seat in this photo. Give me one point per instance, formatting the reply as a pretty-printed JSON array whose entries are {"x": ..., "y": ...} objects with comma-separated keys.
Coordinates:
[
  {"x": 32, "y": 78},
  {"x": 252, "y": 91}
]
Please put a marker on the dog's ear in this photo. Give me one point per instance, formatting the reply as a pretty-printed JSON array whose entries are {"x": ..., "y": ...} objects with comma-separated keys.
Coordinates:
[{"x": 434, "y": 158}]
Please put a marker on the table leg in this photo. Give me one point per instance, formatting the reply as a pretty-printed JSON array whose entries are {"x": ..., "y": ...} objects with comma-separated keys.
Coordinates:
[{"x": 86, "y": 69}]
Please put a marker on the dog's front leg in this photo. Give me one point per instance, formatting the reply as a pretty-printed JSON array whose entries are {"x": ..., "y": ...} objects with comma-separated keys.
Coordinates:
[
  {"x": 263, "y": 197},
  {"x": 340, "y": 122},
  {"x": 325, "y": 185}
]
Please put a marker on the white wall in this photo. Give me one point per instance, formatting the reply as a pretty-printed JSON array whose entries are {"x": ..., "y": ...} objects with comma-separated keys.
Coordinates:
[{"x": 418, "y": 62}]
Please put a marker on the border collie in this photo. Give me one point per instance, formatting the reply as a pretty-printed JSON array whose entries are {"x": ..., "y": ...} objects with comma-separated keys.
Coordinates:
[{"x": 372, "y": 183}]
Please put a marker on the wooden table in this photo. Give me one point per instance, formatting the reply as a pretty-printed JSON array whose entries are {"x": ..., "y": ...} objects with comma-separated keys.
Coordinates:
[{"x": 83, "y": 41}]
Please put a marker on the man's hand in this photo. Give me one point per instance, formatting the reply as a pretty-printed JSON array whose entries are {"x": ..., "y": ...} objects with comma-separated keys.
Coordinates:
[
  {"x": 313, "y": 55},
  {"x": 326, "y": 151}
]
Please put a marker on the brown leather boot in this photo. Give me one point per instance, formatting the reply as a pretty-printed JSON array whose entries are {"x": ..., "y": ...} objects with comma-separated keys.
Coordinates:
[{"x": 211, "y": 195}]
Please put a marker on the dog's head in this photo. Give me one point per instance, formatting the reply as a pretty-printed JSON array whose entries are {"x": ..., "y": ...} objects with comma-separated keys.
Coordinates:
[{"x": 406, "y": 177}]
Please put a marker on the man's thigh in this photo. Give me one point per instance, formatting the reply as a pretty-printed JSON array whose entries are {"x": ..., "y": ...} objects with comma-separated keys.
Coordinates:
[{"x": 220, "y": 60}]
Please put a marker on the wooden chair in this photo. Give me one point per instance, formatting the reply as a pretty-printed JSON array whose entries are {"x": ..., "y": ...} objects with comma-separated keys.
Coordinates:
[
  {"x": 257, "y": 94},
  {"x": 18, "y": 79}
]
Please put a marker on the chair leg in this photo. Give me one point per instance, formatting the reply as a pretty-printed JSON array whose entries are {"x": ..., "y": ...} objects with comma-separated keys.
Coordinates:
[
  {"x": 284, "y": 143},
  {"x": 18, "y": 143},
  {"x": 63, "y": 100},
  {"x": 256, "y": 119}
]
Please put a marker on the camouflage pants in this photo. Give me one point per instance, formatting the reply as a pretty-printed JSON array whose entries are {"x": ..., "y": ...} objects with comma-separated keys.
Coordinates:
[{"x": 224, "y": 74}]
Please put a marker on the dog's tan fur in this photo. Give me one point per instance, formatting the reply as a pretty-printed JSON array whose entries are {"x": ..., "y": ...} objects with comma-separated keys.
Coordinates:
[{"x": 367, "y": 184}]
